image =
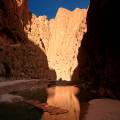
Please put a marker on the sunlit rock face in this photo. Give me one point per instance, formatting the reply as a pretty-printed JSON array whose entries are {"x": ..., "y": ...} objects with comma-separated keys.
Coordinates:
[
  {"x": 63, "y": 97},
  {"x": 38, "y": 31},
  {"x": 31, "y": 45},
  {"x": 59, "y": 39},
  {"x": 66, "y": 30}
]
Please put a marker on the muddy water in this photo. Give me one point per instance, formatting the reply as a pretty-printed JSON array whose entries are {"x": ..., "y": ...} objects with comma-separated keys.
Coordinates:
[{"x": 63, "y": 97}]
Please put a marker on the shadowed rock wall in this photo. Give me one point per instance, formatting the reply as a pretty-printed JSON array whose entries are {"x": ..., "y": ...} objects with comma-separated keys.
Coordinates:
[
  {"x": 20, "y": 57},
  {"x": 98, "y": 55}
]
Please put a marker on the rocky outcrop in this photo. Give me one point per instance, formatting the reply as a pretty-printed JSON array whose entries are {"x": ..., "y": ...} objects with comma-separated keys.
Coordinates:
[
  {"x": 38, "y": 31},
  {"x": 66, "y": 30}
]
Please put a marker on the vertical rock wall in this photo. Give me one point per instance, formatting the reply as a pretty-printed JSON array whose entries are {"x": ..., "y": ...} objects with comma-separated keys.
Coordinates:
[
  {"x": 66, "y": 30},
  {"x": 22, "y": 51},
  {"x": 99, "y": 49},
  {"x": 38, "y": 32},
  {"x": 31, "y": 46}
]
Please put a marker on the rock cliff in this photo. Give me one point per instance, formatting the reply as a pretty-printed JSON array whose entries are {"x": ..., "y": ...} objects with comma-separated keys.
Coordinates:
[
  {"x": 20, "y": 55},
  {"x": 98, "y": 56},
  {"x": 67, "y": 31},
  {"x": 14, "y": 15},
  {"x": 59, "y": 39},
  {"x": 31, "y": 46},
  {"x": 38, "y": 31}
]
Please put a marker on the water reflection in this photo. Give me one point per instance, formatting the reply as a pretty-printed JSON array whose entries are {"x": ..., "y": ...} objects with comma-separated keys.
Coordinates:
[{"x": 63, "y": 97}]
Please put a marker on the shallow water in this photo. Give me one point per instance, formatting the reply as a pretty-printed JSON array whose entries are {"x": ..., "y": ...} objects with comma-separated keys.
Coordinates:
[{"x": 64, "y": 97}]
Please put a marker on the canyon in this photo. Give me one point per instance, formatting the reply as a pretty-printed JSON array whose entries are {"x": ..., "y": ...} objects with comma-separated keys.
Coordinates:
[
  {"x": 75, "y": 45},
  {"x": 79, "y": 47},
  {"x": 46, "y": 49}
]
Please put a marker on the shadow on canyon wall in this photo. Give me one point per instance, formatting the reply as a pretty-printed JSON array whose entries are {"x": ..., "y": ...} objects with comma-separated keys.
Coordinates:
[
  {"x": 98, "y": 58},
  {"x": 19, "y": 57}
]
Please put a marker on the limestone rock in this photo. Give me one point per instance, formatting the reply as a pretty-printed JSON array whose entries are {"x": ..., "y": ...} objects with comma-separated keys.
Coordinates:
[
  {"x": 38, "y": 31},
  {"x": 66, "y": 30},
  {"x": 34, "y": 47}
]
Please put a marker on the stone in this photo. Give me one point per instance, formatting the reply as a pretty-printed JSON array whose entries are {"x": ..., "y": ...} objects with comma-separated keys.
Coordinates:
[
  {"x": 103, "y": 109},
  {"x": 67, "y": 30},
  {"x": 44, "y": 48},
  {"x": 9, "y": 98}
]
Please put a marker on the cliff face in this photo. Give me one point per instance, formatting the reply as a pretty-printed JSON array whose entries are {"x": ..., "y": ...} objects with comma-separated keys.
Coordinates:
[
  {"x": 38, "y": 32},
  {"x": 20, "y": 55},
  {"x": 99, "y": 49},
  {"x": 14, "y": 15},
  {"x": 66, "y": 30},
  {"x": 59, "y": 39},
  {"x": 31, "y": 46}
]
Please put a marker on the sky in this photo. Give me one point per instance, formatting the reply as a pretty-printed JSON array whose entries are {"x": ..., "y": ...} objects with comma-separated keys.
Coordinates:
[{"x": 49, "y": 7}]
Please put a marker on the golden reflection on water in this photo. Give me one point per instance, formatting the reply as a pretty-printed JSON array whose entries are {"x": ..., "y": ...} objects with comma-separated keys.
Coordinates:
[{"x": 63, "y": 97}]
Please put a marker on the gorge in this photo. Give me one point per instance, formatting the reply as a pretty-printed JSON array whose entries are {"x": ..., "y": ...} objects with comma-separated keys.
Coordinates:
[
  {"x": 79, "y": 46},
  {"x": 47, "y": 48},
  {"x": 69, "y": 47}
]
